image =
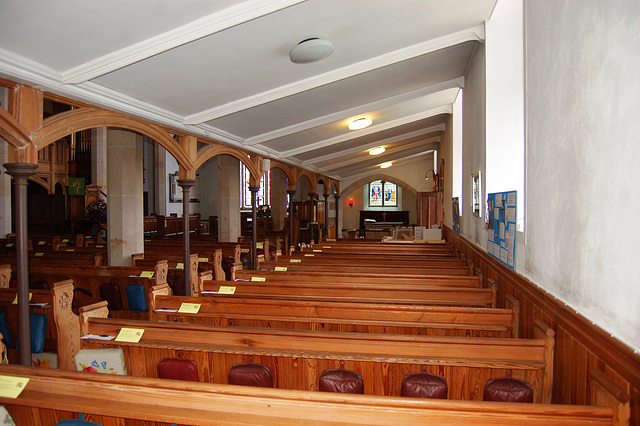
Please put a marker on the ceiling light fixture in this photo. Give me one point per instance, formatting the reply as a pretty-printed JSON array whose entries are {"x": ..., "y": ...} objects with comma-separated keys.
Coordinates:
[
  {"x": 376, "y": 151},
  {"x": 310, "y": 50},
  {"x": 360, "y": 123},
  {"x": 386, "y": 165}
]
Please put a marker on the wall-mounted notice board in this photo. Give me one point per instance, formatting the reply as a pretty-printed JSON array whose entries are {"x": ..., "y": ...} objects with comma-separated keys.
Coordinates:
[{"x": 502, "y": 227}]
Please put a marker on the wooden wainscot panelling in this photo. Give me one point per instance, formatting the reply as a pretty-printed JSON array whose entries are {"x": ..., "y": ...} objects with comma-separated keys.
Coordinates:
[{"x": 580, "y": 346}]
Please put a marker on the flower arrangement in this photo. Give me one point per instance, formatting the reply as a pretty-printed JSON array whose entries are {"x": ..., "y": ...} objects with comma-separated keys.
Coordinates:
[{"x": 97, "y": 211}]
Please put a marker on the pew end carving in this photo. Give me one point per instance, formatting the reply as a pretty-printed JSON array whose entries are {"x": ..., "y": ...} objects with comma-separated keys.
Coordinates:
[
  {"x": 5, "y": 276},
  {"x": 605, "y": 392},
  {"x": 514, "y": 304},
  {"x": 545, "y": 332}
]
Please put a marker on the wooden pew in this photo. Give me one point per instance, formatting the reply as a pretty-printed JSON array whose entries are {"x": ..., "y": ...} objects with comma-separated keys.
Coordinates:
[
  {"x": 339, "y": 316},
  {"x": 53, "y": 395},
  {"x": 408, "y": 250},
  {"x": 367, "y": 269},
  {"x": 231, "y": 251},
  {"x": 203, "y": 261},
  {"x": 170, "y": 225},
  {"x": 40, "y": 302},
  {"x": 348, "y": 277},
  {"x": 354, "y": 292},
  {"x": 298, "y": 357},
  {"x": 91, "y": 278},
  {"x": 48, "y": 257}
]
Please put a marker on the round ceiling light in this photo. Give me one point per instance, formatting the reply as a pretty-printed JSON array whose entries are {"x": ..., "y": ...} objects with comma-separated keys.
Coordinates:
[
  {"x": 310, "y": 50},
  {"x": 360, "y": 123},
  {"x": 386, "y": 165},
  {"x": 376, "y": 151}
]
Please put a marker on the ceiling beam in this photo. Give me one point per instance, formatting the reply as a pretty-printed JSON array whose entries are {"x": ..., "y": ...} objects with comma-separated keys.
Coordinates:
[
  {"x": 447, "y": 109},
  {"x": 382, "y": 142},
  {"x": 471, "y": 34},
  {"x": 200, "y": 28},
  {"x": 456, "y": 83}
]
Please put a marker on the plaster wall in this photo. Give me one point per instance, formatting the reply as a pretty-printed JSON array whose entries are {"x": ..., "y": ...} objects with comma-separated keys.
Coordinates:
[
  {"x": 473, "y": 146},
  {"x": 582, "y": 153}
]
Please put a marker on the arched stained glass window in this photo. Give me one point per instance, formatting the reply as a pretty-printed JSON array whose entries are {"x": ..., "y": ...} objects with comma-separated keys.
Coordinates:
[
  {"x": 263, "y": 196},
  {"x": 382, "y": 194}
]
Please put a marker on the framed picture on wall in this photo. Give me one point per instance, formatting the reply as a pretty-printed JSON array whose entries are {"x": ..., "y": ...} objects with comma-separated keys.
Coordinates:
[
  {"x": 175, "y": 190},
  {"x": 476, "y": 193}
]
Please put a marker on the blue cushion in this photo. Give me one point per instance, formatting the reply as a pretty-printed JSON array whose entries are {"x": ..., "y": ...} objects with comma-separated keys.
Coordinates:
[
  {"x": 4, "y": 329},
  {"x": 38, "y": 323},
  {"x": 136, "y": 298},
  {"x": 68, "y": 422}
]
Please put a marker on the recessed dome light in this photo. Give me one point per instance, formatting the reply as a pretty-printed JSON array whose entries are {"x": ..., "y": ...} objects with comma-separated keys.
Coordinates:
[
  {"x": 310, "y": 50},
  {"x": 376, "y": 151},
  {"x": 386, "y": 165},
  {"x": 360, "y": 123}
]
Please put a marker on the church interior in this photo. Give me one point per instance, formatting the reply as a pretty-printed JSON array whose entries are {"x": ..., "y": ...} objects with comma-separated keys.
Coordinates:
[{"x": 230, "y": 212}]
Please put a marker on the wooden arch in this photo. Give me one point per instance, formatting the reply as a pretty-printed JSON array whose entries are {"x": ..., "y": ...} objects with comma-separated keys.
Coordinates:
[
  {"x": 288, "y": 170},
  {"x": 12, "y": 131},
  {"x": 251, "y": 161},
  {"x": 63, "y": 124}
]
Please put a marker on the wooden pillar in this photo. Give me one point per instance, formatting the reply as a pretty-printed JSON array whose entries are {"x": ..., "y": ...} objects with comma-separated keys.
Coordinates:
[
  {"x": 254, "y": 228},
  {"x": 337, "y": 197},
  {"x": 291, "y": 193},
  {"x": 186, "y": 185},
  {"x": 326, "y": 216},
  {"x": 20, "y": 173}
]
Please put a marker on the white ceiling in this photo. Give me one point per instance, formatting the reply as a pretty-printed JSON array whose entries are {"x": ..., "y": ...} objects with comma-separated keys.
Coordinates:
[{"x": 221, "y": 69}]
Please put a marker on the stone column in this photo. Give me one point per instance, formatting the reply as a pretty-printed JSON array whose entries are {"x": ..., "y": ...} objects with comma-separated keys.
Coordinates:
[
  {"x": 125, "y": 212},
  {"x": 99, "y": 158},
  {"x": 291, "y": 193},
  {"x": 228, "y": 184},
  {"x": 186, "y": 185},
  {"x": 338, "y": 231},
  {"x": 20, "y": 173},
  {"x": 254, "y": 228}
]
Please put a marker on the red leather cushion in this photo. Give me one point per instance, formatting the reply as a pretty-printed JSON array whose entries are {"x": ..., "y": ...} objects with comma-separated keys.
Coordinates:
[
  {"x": 508, "y": 389},
  {"x": 251, "y": 375},
  {"x": 341, "y": 381},
  {"x": 424, "y": 385},
  {"x": 178, "y": 369}
]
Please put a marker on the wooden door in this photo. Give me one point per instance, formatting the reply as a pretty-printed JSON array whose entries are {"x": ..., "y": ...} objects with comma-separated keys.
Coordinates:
[{"x": 430, "y": 205}]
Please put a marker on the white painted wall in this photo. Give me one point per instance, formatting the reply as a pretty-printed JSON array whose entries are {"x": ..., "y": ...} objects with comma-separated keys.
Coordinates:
[
  {"x": 582, "y": 107},
  {"x": 473, "y": 145}
]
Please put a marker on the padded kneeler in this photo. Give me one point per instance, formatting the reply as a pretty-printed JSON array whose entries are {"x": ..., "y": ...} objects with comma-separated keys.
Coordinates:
[
  {"x": 251, "y": 374},
  {"x": 508, "y": 389},
  {"x": 341, "y": 381},
  {"x": 424, "y": 385},
  {"x": 178, "y": 369}
]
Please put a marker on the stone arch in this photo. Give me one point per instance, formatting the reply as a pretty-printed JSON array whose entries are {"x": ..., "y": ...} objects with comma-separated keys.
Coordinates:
[
  {"x": 66, "y": 123},
  {"x": 359, "y": 183}
]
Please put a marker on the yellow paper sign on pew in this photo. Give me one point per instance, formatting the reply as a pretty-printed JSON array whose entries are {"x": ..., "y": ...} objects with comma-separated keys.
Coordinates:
[
  {"x": 225, "y": 289},
  {"x": 202, "y": 259},
  {"x": 327, "y": 246},
  {"x": 317, "y": 251},
  {"x": 280, "y": 268},
  {"x": 259, "y": 245},
  {"x": 11, "y": 386},
  {"x": 66, "y": 240},
  {"x": 295, "y": 260},
  {"x": 71, "y": 250},
  {"x": 309, "y": 255},
  {"x": 131, "y": 335},
  {"x": 99, "y": 246},
  {"x": 189, "y": 308},
  {"x": 147, "y": 274},
  {"x": 9, "y": 245},
  {"x": 41, "y": 243},
  {"x": 15, "y": 301},
  {"x": 244, "y": 250},
  {"x": 180, "y": 266},
  {"x": 258, "y": 279},
  {"x": 39, "y": 254}
]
